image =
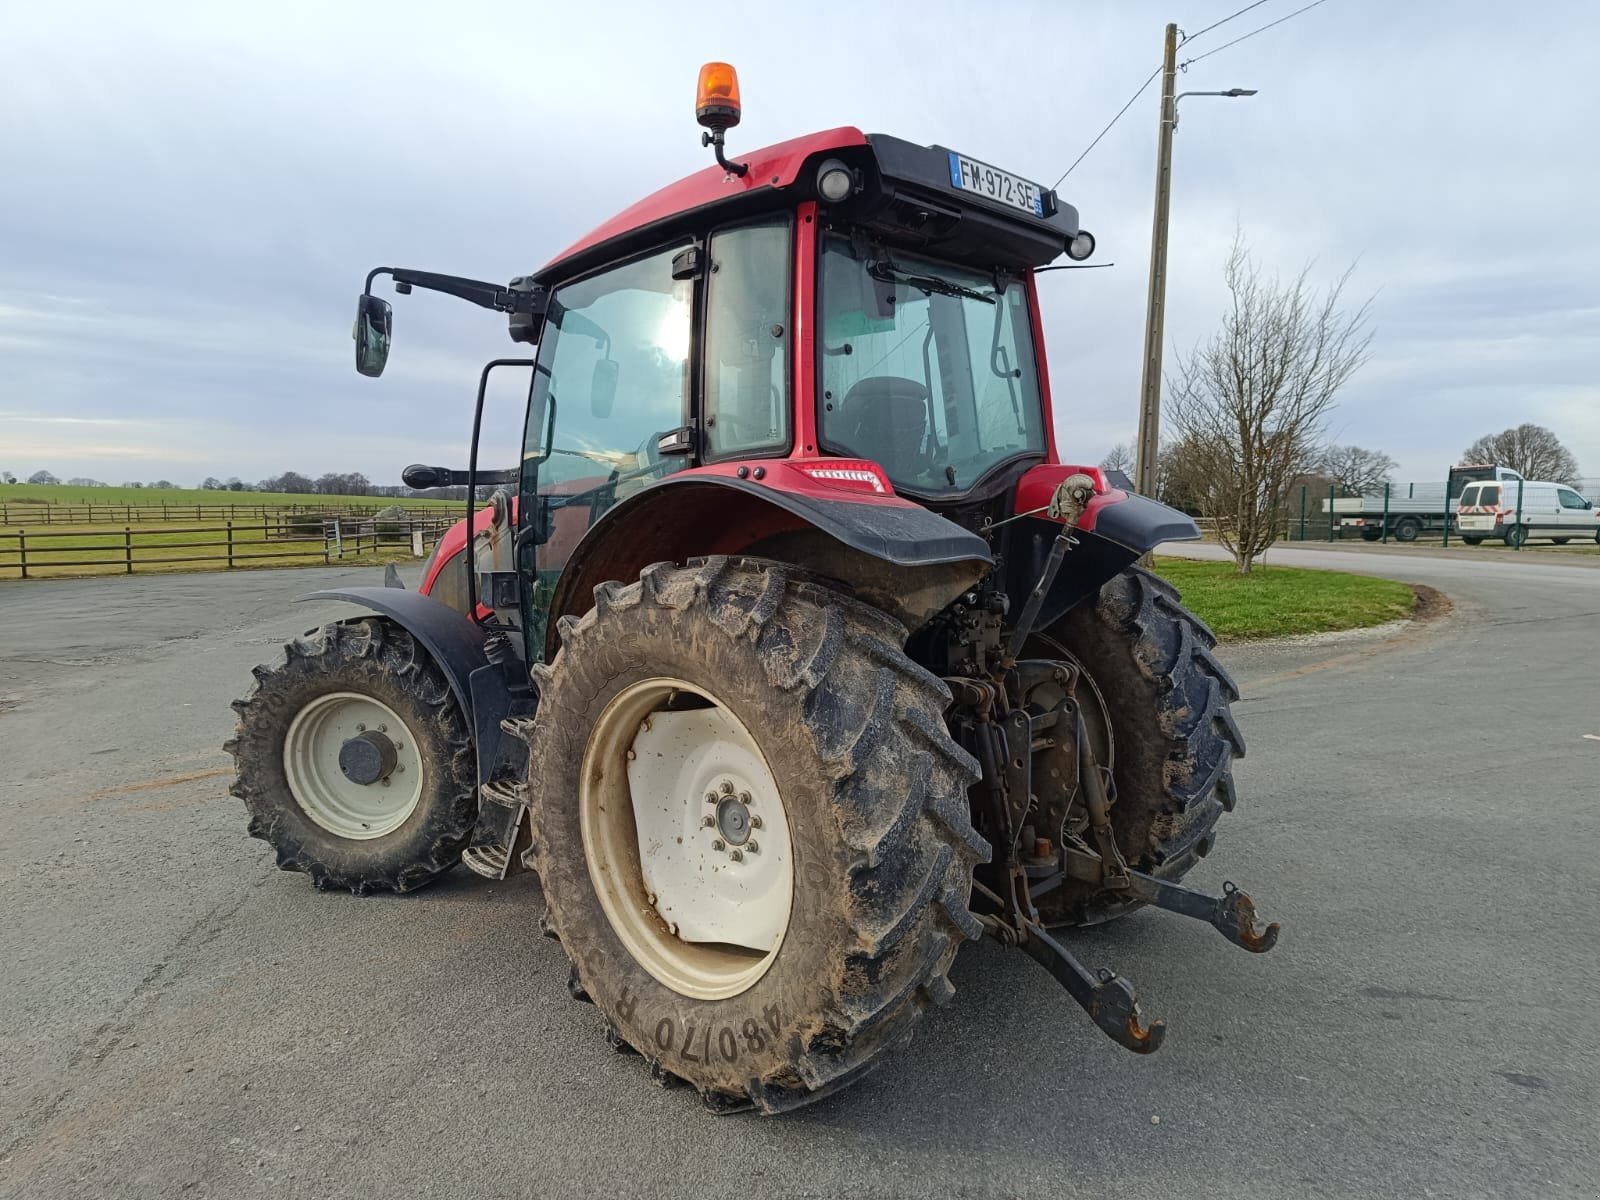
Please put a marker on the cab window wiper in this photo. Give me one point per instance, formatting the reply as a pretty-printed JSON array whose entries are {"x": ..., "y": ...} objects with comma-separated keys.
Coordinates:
[{"x": 932, "y": 284}]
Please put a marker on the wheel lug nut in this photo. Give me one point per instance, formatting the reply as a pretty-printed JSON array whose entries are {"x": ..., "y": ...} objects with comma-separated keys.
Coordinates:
[
  {"x": 711, "y": 797},
  {"x": 744, "y": 797},
  {"x": 709, "y": 822},
  {"x": 755, "y": 821},
  {"x": 383, "y": 729},
  {"x": 737, "y": 856},
  {"x": 360, "y": 728},
  {"x": 752, "y": 847},
  {"x": 717, "y": 845},
  {"x": 727, "y": 788}
]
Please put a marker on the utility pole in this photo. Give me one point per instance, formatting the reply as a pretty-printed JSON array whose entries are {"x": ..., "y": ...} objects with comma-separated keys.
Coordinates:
[{"x": 1149, "y": 444}]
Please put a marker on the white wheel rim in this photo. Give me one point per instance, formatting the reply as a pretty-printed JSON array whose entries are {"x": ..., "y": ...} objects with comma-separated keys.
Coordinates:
[
  {"x": 702, "y": 907},
  {"x": 320, "y": 786}
]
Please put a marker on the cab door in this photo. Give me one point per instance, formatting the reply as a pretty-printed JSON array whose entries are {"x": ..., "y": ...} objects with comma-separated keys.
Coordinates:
[
  {"x": 1576, "y": 515},
  {"x": 607, "y": 415}
]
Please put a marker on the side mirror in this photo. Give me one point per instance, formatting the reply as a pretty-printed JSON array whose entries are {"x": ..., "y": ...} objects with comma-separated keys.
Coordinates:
[
  {"x": 603, "y": 387},
  {"x": 374, "y": 325}
]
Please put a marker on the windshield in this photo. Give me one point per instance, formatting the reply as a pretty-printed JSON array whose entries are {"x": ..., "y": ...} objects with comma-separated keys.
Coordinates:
[{"x": 927, "y": 369}]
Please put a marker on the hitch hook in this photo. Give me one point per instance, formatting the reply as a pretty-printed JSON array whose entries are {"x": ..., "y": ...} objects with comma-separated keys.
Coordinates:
[
  {"x": 1236, "y": 919},
  {"x": 1109, "y": 999}
]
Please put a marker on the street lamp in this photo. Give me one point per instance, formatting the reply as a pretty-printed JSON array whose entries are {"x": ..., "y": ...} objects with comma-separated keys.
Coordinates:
[{"x": 1149, "y": 441}]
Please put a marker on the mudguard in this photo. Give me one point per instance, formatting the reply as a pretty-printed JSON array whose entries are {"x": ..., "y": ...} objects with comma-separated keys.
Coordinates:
[
  {"x": 1117, "y": 528},
  {"x": 486, "y": 691}
]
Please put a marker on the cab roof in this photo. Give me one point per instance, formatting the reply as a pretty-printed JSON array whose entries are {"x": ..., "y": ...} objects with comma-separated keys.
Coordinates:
[{"x": 906, "y": 193}]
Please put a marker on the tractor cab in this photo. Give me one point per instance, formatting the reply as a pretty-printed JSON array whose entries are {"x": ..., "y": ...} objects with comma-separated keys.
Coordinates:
[{"x": 850, "y": 304}]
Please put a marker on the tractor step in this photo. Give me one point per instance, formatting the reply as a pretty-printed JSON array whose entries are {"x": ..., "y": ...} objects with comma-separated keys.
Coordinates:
[{"x": 501, "y": 834}]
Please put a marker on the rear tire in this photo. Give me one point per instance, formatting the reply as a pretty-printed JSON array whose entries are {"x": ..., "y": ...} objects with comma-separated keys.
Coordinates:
[
  {"x": 1371, "y": 535},
  {"x": 364, "y": 837},
  {"x": 1565, "y": 540},
  {"x": 1470, "y": 540},
  {"x": 1517, "y": 535},
  {"x": 1406, "y": 530},
  {"x": 1168, "y": 700},
  {"x": 874, "y": 790}
]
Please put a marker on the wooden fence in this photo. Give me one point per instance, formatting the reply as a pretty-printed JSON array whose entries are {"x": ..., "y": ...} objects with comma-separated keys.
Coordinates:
[
  {"x": 50, "y": 513},
  {"x": 230, "y": 544}
]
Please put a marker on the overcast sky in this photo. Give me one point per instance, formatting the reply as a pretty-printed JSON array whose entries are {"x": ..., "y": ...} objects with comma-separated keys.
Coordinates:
[{"x": 191, "y": 196}]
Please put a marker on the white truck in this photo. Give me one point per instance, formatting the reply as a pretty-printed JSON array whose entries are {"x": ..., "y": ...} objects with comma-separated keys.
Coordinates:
[{"x": 1409, "y": 510}]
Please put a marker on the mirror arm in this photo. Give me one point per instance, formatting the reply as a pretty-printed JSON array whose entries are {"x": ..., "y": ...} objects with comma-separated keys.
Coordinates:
[{"x": 522, "y": 296}]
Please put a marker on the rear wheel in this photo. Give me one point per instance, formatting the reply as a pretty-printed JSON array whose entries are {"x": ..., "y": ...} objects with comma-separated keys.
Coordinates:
[
  {"x": 1470, "y": 540},
  {"x": 1371, "y": 535},
  {"x": 1565, "y": 540},
  {"x": 1166, "y": 701},
  {"x": 1516, "y": 535},
  {"x": 354, "y": 761},
  {"x": 751, "y": 826},
  {"x": 1407, "y": 529}
]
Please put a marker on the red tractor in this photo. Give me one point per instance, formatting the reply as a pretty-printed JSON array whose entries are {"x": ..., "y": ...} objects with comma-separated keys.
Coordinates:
[{"x": 789, "y": 655}]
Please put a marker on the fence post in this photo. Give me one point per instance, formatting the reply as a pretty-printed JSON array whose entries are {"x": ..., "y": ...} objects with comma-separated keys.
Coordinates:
[
  {"x": 1302, "y": 512},
  {"x": 22, "y": 551},
  {"x": 1446, "y": 514},
  {"x": 1384, "y": 538},
  {"x": 127, "y": 547},
  {"x": 230, "y": 545},
  {"x": 1522, "y": 535},
  {"x": 1330, "y": 512}
]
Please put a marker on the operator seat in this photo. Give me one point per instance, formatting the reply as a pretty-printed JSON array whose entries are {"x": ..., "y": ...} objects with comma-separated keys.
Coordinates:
[{"x": 885, "y": 418}]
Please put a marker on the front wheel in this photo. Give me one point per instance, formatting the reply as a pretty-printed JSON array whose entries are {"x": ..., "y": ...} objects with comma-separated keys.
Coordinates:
[
  {"x": 354, "y": 760},
  {"x": 751, "y": 826}
]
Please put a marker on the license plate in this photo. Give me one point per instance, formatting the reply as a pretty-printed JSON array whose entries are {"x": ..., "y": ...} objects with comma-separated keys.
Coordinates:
[
  {"x": 970, "y": 175},
  {"x": 1475, "y": 521}
]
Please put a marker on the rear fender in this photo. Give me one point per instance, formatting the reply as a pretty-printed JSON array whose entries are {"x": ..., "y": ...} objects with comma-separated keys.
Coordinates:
[
  {"x": 892, "y": 553},
  {"x": 1116, "y": 530},
  {"x": 488, "y": 691}
]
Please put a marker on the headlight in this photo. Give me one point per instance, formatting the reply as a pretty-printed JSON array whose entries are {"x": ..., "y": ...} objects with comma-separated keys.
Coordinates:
[{"x": 835, "y": 181}]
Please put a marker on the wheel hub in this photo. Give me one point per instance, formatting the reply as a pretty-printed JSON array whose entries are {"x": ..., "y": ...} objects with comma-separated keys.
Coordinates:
[
  {"x": 353, "y": 765},
  {"x": 733, "y": 818},
  {"x": 368, "y": 757}
]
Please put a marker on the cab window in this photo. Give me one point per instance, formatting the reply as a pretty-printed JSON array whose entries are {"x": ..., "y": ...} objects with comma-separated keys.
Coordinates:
[
  {"x": 747, "y": 341},
  {"x": 1571, "y": 499}
]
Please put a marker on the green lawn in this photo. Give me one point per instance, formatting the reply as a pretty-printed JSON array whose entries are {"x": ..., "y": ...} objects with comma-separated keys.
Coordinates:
[{"x": 1278, "y": 601}]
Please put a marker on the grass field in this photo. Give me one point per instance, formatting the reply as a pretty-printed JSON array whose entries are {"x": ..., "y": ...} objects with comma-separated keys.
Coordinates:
[
  {"x": 1279, "y": 601},
  {"x": 62, "y": 494}
]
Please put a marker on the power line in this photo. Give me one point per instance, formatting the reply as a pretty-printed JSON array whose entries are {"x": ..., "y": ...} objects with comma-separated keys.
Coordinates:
[
  {"x": 1245, "y": 37},
  {"x": 1189, "y": 37},
  {"x": 1107, "y": 129}
]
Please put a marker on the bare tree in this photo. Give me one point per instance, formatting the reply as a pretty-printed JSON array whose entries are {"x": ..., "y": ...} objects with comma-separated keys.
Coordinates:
[
  {"x": 1120, "y": 458},
  {"x": 1355, "y": 470},
  {"x": 1533, "y": 451},
  {"x": 1249, "y": 404},
  {"x": 42, "y": 477}
]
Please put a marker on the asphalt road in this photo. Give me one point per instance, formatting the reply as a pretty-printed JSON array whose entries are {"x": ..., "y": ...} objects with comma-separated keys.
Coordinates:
[{"x": 181, "y": 1019}]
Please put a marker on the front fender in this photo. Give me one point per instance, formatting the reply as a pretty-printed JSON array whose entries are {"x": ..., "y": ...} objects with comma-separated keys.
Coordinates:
[{"x": 487, "y": 690}]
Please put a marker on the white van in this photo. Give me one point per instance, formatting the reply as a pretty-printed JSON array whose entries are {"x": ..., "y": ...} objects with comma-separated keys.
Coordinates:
[{"x": 1495, "y": 509}]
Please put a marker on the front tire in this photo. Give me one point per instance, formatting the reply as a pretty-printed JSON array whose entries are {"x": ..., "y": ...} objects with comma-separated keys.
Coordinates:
[
  {"x": 354, "y": 760},
  {"x": 1167, "y": 700},
  {"x": 869, "y": 783}
]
